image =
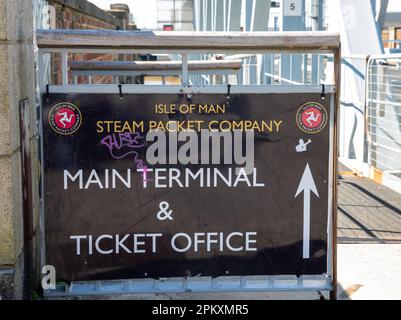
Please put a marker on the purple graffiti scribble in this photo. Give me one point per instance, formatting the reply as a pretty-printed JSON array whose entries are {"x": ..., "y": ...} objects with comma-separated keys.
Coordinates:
[{"x": 115, "y": 142}]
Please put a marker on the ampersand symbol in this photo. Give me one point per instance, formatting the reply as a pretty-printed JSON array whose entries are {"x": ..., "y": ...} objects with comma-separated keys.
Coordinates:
[{"x": 163, "y": 214}]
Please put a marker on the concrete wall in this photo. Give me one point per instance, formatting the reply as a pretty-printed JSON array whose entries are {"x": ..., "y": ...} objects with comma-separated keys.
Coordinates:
[{"x": 17, "y": 82}]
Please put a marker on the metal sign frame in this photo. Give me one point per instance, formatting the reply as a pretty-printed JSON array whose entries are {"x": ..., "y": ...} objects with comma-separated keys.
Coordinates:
[{"x": 183, "y": 43}]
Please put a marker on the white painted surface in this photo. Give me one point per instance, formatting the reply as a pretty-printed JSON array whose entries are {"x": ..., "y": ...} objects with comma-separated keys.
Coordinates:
[
  {"x": 353, "y": 19},
  {"x": 356, "y": 23},
  {"x": 307, "y": 185},
  {"x": 374, "y": 267}
]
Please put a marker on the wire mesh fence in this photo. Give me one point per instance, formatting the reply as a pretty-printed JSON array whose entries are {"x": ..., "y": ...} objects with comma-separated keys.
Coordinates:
[{"x": 384, "y": 114}]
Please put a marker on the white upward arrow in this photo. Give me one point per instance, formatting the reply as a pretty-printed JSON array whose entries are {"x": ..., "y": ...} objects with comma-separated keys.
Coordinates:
[{"x": 307, "y": 185}]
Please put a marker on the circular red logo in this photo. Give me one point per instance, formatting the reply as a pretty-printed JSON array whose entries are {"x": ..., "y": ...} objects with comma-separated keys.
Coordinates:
[
  {"x": 65, "y": 118},
  {"x": 312, "y": 117}
]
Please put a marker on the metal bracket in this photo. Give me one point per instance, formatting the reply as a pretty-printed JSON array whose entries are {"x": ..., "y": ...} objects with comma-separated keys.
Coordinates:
[
  {"x": 120, "y": 90},
  {"x": 228, "y": 94},
  {"x": 323, "y": 95}
]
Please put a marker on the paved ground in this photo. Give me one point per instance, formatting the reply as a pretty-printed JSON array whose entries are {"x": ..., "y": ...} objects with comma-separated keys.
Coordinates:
[
  {"x": 369, "y": 271},
  {"x": 369, "y": 237},
  {"x": 369, "y": 249},
  {"x": 368, "y": 212}
]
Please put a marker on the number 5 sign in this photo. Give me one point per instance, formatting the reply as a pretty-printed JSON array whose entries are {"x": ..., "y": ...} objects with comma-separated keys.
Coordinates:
[{"x": 292, "y": 7}]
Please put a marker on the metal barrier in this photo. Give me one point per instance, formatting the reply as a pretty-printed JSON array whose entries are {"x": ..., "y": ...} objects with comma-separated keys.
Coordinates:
[
  {"x": 205, "y": 69},
  {"x": 383, "y": 117},
  {"x": 370, "y": 117}
]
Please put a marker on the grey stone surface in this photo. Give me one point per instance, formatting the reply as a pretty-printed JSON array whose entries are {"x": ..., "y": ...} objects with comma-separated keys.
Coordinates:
[
  {"x": 7, "y": 256},
  {"x": 17, "y": 20},
  {"x": 11, "y": 224},
  {"x": 3, "y": 20},
  {"x": 3, "y": 79},
  {"x": 16, "y": 189},
  {"x": 16, "y": 283},
  {"x": 6, "y": 284},
  {"x": 17, "y": 82},
  {"x": 21, "y": 81}
]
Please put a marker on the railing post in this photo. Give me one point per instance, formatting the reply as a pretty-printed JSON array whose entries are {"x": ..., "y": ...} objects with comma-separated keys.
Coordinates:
[
  {"x": 337, "y": 81},
  {"x": 184, "y": 75},
  {"x": 64, "y": 68}
]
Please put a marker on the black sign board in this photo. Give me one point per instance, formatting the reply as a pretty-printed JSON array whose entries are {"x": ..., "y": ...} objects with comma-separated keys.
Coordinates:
[{"x": 166, "y": 185}]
